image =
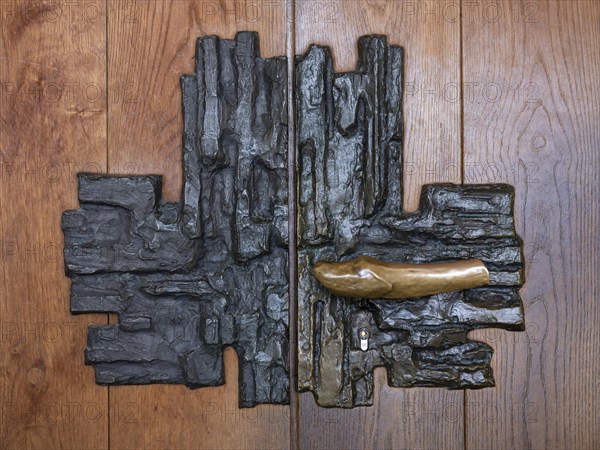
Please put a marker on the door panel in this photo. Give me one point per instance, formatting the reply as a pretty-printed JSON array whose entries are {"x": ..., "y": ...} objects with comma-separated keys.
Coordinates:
[
  {"x": 531, "y": 119},
  {"x": 52, "y": 125},
  {"x": 147, "y": 52},
  {"x": 399, "y": 418},
  {"x": 94, "y": 86}
]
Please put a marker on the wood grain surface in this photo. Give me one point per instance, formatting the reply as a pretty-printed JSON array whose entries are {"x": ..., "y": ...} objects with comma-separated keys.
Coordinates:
[
  {"x": 94, "y": 86},
  {"x": 399, "y": 418},
  {"x": 52, "y": 125},
  {"x": 532, "y": 119}
]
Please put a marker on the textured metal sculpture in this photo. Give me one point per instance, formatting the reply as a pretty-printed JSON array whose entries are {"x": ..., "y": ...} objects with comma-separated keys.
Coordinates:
[
  {"x": 187, "y": 279},
  {"x": 350, "y": 205}
]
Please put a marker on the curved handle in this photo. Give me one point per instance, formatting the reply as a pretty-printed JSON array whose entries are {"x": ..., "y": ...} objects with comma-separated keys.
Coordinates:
[{"x": 366, "y": 277}]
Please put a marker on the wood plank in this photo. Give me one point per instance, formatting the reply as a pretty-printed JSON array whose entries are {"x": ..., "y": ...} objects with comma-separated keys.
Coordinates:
[
  {"x": 399, "y": 418},
  {"x": 150, "y": 45},
  {"x": 52, "y": 125},
  {"x": 533, "y": 121}
]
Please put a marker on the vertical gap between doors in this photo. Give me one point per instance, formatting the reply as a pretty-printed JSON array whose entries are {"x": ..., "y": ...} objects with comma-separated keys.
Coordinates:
[
  {"x": 290, "y": 25},
  {"x": 107, "y": 169},
  {"x": 462, "y": 171}
]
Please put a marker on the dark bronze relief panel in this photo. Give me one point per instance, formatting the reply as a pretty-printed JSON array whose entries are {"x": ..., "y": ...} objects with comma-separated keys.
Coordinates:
[
  {"x": 349, "y": 134},
  {"x": 188, "y": 279}
]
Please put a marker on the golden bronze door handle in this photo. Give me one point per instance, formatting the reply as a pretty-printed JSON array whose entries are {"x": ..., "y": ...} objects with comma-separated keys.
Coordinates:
[{"x": 366, "y": 277}]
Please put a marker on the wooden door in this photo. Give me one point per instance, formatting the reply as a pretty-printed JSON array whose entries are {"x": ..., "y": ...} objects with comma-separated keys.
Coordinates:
[{"x": 494, "y": 92}]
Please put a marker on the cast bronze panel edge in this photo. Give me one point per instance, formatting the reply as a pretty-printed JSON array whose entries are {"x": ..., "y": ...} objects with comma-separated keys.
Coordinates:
[{"x": 349, "y": 141}]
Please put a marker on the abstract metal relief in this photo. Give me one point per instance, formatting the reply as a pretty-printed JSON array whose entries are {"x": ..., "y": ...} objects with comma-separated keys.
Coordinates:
[
  {"x": 377, "y": 286},
  {"x": 349, "y": 141},
  {"x": 189, "y": 278}
]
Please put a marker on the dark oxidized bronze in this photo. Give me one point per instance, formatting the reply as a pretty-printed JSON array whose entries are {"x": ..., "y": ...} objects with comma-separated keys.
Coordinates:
[
  {"x": 189, "y": 278},
  {"x": 400, "y": 290},
  {"x": 349, "y": 143}
]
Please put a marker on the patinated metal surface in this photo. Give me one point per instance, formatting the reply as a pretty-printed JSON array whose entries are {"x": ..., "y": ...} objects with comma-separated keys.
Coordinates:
[
  {"x": 350, "y": 205},
  {"x": 189, "y": 278},
  {"x": 366, "y": 277}
]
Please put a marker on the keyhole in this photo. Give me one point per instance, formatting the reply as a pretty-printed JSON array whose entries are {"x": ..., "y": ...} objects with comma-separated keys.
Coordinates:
[{"x": 363, "y": 335}]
